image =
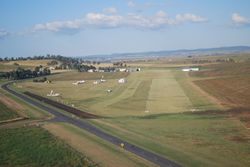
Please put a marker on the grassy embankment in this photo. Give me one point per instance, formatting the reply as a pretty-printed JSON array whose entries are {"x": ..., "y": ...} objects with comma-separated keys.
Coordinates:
[
  {"x": 22, "y": 108},
  {"x": 102, "y": 152},
  {"x": 6, "y": 112}
]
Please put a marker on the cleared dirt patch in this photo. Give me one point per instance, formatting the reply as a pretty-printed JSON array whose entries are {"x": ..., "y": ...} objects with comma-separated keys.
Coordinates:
[
  {"x": 232, "y": 92},
  {"x": 241, "y": 138}
]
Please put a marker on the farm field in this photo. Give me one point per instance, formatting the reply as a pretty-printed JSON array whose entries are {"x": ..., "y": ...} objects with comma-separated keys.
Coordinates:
[
  {"x": 127, "y": 83},
  {"x": 27, "y": 63},
  {"x": 10, "y": 65},
  {"x": 161, "y": 109},
  {"x": 6, "y": 68},
  {"x": 152, "y": 91},
  {"x": 230, "y": 85},
  {"x": 34, "y": 146}
]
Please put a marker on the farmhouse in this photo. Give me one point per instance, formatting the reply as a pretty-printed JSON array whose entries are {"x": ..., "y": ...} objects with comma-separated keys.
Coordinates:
[
  {"x": 100, "y": 71},
  {"x": 123, "y": 70},
  {"x": 90, "y": 70},
  {"x": 52, "y": 68},
  {"x": 190, "y": 69}
]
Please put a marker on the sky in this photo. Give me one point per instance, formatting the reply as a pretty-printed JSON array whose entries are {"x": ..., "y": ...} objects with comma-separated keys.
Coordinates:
[{"x": 90, "y": 27}]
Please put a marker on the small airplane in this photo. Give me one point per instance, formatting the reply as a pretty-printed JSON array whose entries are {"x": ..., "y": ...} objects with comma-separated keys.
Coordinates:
[
  {"x": 102, "y": 80},
  {"x": 53, "y": 94},
  {"x": 78, "y": 82}
]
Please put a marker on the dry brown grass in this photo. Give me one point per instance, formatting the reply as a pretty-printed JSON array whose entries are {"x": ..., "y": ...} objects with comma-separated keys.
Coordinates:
[
  {"x": 74, "y": 75},
  {"x": 224, "y": 70},
  {"x": 230, "y": 85},
  {"x": 31, "y": 63},
  {"x": 233, "y": 92}
]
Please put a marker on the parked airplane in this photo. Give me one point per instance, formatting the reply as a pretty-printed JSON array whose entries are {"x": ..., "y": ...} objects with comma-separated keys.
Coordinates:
[{"x": 53, "y": 94}]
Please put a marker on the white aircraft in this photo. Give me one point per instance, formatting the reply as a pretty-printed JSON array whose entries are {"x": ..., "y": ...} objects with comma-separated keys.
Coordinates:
[
  {"x": 53, "y": 94},
  {"x": 78, "y": 82}
]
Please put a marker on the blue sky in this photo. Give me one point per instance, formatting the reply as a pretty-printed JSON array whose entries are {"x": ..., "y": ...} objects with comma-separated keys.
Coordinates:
[{"x": 81, "y": 27}]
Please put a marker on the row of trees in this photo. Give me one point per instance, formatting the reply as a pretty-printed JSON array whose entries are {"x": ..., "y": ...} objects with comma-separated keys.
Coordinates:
[
  {"x": 85, "y": 68},
  {"x": 60, "y": 62},
  {"x": 52, "y": 56},
  {"x": 21, "y": 73},
  {"x": 41, "y": 57},
  {"x": 226, "y": 60},
  {"x": 119, "y": 64},
  {"x": 107, "y": 69}
]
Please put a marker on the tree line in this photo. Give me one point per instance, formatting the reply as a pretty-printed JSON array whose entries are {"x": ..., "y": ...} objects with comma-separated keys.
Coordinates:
[
  {"x": 21, "y": 73},
  {"x": 63, "y": 59}
]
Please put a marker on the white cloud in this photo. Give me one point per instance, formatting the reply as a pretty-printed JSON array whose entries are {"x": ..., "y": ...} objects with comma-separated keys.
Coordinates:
[
  {"x": 188, "y": 17},
  {"x": 114, "y": 20},
  {"x": 59, "y": 25},
  {"x": 131, "y": 4},
  {"x": 102, "y": 20},
  {"x": 240, "y": 20},
  {"x": 4, "y": 33},
  {"x": 110, "y": 10}
]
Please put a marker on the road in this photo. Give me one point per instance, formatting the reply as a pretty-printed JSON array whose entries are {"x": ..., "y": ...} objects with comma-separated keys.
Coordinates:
[{"x": 60, "y": 117}]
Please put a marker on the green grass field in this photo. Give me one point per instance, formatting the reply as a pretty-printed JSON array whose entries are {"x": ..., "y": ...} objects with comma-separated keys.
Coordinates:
[
  {"x": 33, "y": 146},
  {"x": 190, "y": 139},
  {"x": 158, "y": 109},
  {"x": 152, "y": 91},
  {"x": 6, "y": 112},
  {"x": 200, "y": 102}
]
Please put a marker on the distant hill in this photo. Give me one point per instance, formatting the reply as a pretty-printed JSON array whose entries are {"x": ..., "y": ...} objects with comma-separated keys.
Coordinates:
[{"x": 181, "y": 52}]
